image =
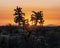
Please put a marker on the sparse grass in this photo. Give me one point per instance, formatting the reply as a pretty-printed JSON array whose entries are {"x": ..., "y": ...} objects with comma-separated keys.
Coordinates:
[{"x": 17, "y": 37}]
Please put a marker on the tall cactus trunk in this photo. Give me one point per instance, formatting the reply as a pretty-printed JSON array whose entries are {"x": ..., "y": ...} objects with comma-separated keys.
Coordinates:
[
  {"x": 41, "y": 25},
  {"x": 23, "y": 24},
  {"x": 19, "y": 23},
  {"x": 36, "y": 23}
]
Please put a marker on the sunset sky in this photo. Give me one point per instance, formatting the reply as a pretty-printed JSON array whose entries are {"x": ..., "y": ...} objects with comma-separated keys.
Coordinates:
[{"x": 50, "y": 8}]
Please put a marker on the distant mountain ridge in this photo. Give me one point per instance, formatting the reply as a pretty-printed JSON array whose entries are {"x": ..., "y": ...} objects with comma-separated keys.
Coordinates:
[{"x": 51, "y": 25}]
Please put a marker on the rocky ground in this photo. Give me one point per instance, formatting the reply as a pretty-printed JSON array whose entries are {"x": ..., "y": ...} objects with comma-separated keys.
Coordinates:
[{"x": 17, "y": 37}]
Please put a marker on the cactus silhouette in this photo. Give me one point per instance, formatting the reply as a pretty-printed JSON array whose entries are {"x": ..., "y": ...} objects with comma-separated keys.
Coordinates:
[
  {"x": 37, "y": 16},
  {"x": 19, "y": 16}
]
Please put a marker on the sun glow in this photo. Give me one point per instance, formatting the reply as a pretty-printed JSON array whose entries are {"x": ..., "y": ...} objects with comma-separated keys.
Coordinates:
[
  {"x": 50, "y": 8},
  {"x": 30, "y": 23}
]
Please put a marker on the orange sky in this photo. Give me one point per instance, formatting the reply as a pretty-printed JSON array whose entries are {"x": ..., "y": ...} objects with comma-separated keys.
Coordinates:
[{"x": 50, "y": 8}]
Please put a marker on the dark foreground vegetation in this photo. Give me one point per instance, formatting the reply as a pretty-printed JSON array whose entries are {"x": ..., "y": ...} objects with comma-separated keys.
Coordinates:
[{"x": 17, "y": 37}]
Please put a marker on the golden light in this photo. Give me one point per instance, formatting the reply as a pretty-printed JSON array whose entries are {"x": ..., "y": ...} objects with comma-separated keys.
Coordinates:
[{"x": 30, "y": 23}]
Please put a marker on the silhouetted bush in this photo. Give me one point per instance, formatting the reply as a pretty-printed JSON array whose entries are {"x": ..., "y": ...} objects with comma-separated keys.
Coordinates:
[{"x": 17, "y": 37}]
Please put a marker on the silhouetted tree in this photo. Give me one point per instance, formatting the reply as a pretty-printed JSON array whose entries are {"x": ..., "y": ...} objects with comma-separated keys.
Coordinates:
[
  {"x": 41, "y": 19},
  {"x": 37, "y": 17},
  {"x": 33, "y": 18},
  {"x": 19, "y": 16}
]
